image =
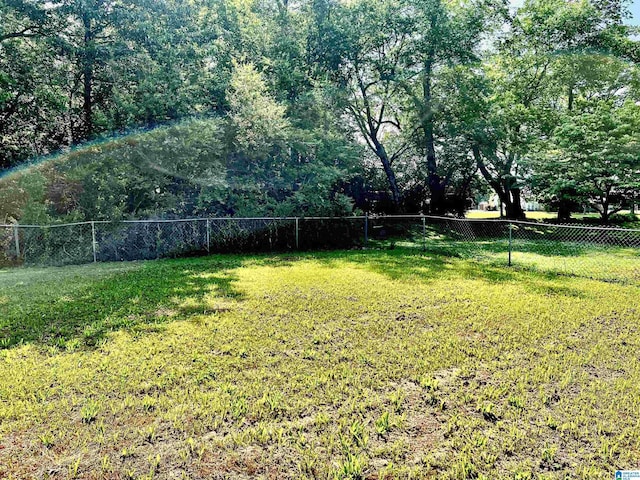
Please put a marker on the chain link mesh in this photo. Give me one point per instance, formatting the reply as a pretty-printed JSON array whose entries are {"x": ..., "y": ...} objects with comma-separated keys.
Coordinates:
[
  {"x": 610, "y": 254},
  {"x": 461, "y": 238},
  {"x": 251, "y": 235},
  {"x": 8, "y": 254},
  {"x": 46, "y": 245},
  {"x": 331, "y": 233},
  {"x": 147, "y": 240}
]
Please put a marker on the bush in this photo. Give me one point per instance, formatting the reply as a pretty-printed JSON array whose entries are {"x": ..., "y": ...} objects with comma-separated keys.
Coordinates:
[{"x": 622, "y": 218}]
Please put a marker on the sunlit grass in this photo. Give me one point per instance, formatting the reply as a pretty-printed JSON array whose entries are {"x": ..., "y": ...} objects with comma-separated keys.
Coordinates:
[
  {"x": 496, "y": 214},
  {"x": 370, "y": 364},
  {"x": 534, "y": 215}
]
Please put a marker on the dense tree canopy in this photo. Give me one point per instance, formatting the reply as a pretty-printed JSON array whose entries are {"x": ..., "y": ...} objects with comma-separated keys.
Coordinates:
[{"x": 321, "y": 106}]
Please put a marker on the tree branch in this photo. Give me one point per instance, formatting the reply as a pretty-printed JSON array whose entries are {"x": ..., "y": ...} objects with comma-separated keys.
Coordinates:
[{"x": 25, "y": 33}]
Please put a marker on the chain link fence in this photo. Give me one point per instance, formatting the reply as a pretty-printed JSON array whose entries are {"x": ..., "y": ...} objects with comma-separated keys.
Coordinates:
[{"x": 610, "y": 254}]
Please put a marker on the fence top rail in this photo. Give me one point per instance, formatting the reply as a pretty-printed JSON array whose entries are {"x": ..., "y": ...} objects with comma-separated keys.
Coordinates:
[
  {"x": 52, "y": 225},
  {"x": 436, "y": 217},
  {"x": 213, "y": 219},
  {"x": 581, "y": 227}
]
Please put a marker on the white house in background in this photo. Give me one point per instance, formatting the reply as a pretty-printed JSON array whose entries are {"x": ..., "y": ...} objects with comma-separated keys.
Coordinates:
[{"x": 493, "y": 203}]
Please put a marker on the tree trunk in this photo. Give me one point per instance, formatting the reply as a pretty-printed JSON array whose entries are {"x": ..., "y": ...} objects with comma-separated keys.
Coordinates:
[
  {"x": 509, "y": 195},
  {"x": 88, "y": 63},
  {"x": 438, "y": 204},
  {"x": 513, "y": 206},
  {"x": 605, "y": 203},
  {"x": 604, "y": 213},
  {"x": 564, "y": 211},
  {"x": 391, "y": 176},
  {"x": 437, "y": 186},
  {"x": 570, "y": 99}
]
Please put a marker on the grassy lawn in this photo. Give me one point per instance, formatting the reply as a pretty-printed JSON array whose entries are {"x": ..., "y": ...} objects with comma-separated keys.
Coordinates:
[
  {"x": 496, "y": 214},
  {"x": 531, "y": 215},
  {"x": 362, "y": 364},
  {"x": 480, "y": 214}
]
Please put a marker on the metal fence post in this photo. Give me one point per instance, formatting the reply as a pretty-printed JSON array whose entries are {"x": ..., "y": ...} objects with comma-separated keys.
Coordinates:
[
  {"x": 510, "y": 240},
  {"x": 16, "y": 235},
  {"x": 297, "y": 234},
  {"x": 424, "y": 234},
  {"x": 93, "y": 241},
  {"x": 208, "y": 236},
  {"x": 366, "y": 229},
  {"x": 158, "y": 239}
]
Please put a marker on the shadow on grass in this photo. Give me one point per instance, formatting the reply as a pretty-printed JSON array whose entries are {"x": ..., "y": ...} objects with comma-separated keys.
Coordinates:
[
  {"x": 139, "y": 300},
  {"x": 143, "y": 299}
]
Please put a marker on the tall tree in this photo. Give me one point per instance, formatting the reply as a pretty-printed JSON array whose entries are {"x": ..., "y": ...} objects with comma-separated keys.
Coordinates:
[
  {"x": 91, "y": 31},
  {"x": 596, "y": 150},
  {"x": 445, "y": 34},
  {"x": 377, "y": 39},
  {"x": 31, "y": 100},
  {"x": 535, "y": 75}
]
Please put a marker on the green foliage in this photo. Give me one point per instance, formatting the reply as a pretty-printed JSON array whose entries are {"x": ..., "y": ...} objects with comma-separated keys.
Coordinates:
[
  {"x": 319, "y": 106},
  {"x": 259, "y": 123},
  {"x": 595, "y": 155},
  {"x": 193, "y": 168}
]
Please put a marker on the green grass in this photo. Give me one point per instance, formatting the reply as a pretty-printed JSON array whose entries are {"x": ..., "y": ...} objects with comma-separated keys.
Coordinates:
[
  {"x": 363, "y": 364},
  {"x": 538, "y": 215},
  {"x": 496, "y": 214}
]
